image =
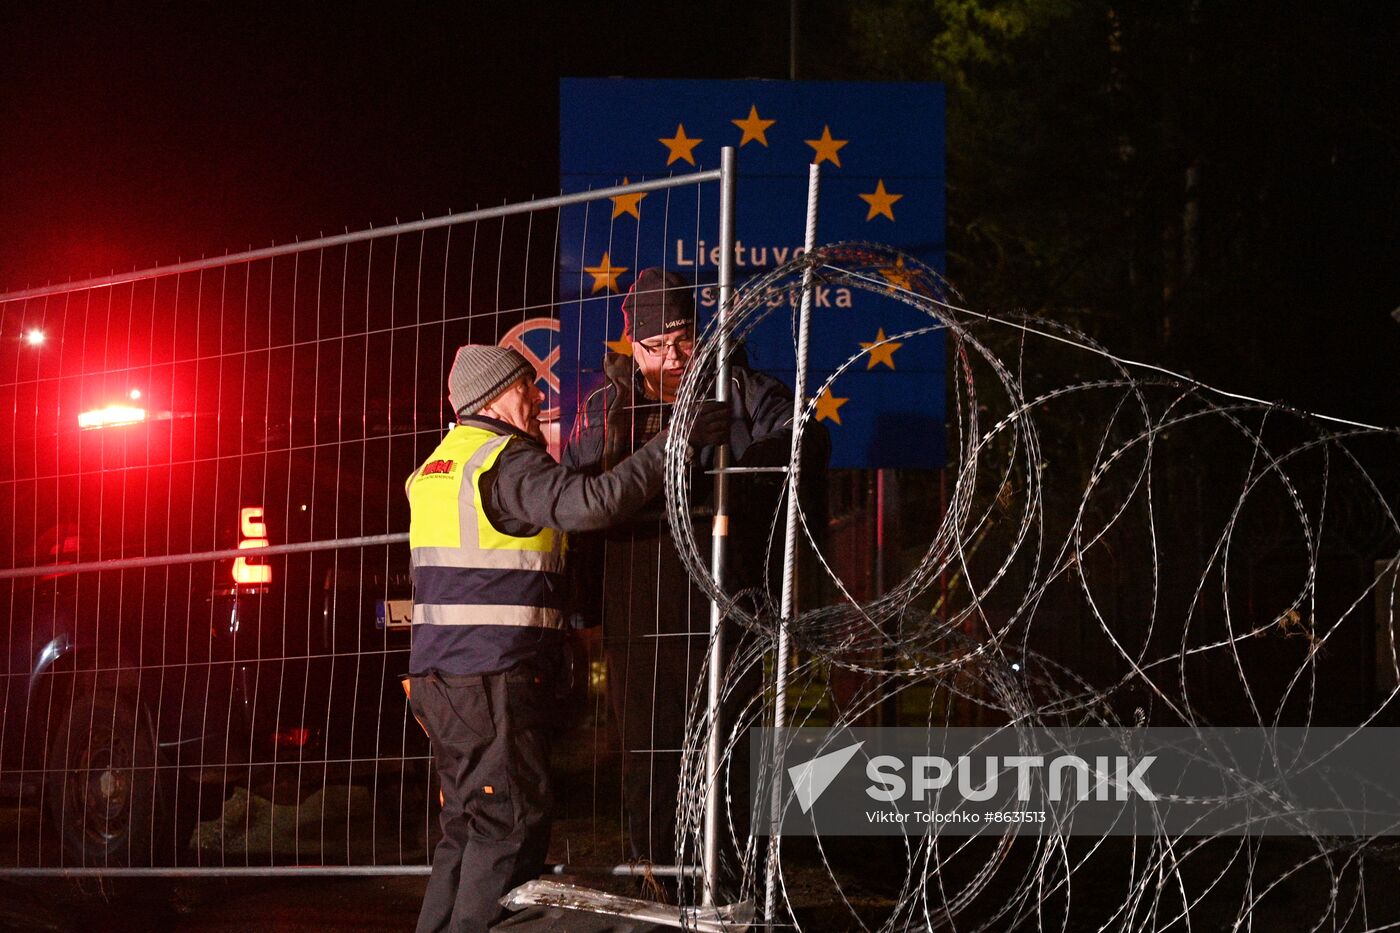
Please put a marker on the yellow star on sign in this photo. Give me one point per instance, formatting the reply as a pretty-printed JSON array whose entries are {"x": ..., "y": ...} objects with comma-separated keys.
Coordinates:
[
  {"x": 680, "y": 146},
  {"x": 826, "y": 149},
  {"x": 754, "y": 127},
  {"x": 621, "y": 345},
  {"x": 899, "y": 275},
  {"x": 881, "y": 351},
  {"x": 829, "y": 406},
  {"x": 604, "y": 275},
  {"x": 628, "y": 204},
  {"x": 880, "y": 201}
]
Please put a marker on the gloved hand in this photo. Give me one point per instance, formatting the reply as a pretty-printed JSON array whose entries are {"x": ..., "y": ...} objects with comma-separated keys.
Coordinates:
[{"x": 711, "y": 425}]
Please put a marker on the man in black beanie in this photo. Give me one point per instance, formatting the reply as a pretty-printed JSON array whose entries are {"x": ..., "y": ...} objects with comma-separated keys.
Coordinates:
[
  {"x": 631, "y": 579},
  {"x": 489, "y": 513}
]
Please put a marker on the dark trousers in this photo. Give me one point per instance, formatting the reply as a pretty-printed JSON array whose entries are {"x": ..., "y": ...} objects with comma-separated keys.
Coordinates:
[
  {"x": 656, "y": 636},
  {"x": 651, "y": 685},
  {"x": 491, "y": 750}
]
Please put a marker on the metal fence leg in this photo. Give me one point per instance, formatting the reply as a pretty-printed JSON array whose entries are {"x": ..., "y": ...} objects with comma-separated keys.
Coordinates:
[
  {"x": 789, "y": 607},
  {"x": 719, "y": 535}
]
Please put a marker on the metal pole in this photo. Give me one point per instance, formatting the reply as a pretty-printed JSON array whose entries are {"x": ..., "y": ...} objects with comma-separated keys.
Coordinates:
[
  {"x": 789, "y": 607},
  {"x": 219, "y": 871},
  {"x": 719, "y": 534},
  {"x": 432, "y": 223},
  {"x": 307, "y": 871},
  {"x": 129, "y": 563}
]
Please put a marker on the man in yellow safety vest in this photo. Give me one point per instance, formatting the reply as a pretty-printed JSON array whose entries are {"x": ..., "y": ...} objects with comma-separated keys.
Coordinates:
[{"x": 490, "y": 509}]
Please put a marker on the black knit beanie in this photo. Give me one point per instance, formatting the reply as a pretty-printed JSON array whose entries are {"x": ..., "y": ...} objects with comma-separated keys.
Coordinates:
[{"x": 659, "y": 301}]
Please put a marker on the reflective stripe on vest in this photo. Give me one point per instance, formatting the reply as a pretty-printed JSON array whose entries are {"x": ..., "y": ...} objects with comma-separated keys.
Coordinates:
[{"x": 465, "y": 570}]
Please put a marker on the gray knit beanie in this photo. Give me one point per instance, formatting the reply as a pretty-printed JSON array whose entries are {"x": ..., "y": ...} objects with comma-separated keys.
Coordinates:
[{"x": 480, "y": 372}]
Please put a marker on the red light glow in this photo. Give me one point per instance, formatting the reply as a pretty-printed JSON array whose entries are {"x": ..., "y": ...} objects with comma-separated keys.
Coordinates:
[
  {"x": 110, "y": 417},
  {"x": 34, "y": 337},
  {"x": 295, "y": 737}
]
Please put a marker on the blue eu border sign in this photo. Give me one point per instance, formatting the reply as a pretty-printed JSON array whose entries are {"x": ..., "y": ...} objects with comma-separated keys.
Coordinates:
[{"x": 880, "y": 146}]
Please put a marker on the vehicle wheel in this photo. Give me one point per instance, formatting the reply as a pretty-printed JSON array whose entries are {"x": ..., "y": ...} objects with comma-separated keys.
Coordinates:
[{"x": 101, "y": 785}]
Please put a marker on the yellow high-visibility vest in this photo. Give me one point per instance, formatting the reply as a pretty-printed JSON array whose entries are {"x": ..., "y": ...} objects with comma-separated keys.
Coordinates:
[{"x": 467, "y": 572}]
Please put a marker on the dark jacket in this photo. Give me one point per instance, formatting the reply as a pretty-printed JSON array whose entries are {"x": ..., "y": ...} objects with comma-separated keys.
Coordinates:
[
  {"x": 526, "y": 490},
  {"x": 760, "y": 435},
  {"x": 523, "y": 492},
  {"x": 760, "y": 405}
]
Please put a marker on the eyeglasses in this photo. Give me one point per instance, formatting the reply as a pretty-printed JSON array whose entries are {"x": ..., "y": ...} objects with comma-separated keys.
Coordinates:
[{"x": 682, "y": 345}]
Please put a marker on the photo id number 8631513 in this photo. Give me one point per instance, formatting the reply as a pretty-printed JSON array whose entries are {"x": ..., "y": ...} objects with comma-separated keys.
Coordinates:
[
  {"x": 1014, "y": 816},
  {"x": 992, "y": 816}
]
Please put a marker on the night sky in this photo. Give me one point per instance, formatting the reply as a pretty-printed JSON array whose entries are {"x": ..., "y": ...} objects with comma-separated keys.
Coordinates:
[
  {"x": 129, "y": 140},
  {"x": 133, "y": 139}
]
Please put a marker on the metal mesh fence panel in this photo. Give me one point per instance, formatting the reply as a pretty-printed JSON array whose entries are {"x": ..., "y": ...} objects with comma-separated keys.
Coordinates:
[{"x": 207, "y": 588}]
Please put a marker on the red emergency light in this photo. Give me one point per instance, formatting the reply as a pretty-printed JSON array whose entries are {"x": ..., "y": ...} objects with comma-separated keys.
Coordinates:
[
  {"x": 294, "y": 737},
  {"x": 111, "y": 417},
  {"x": 254, "y": 529}
]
